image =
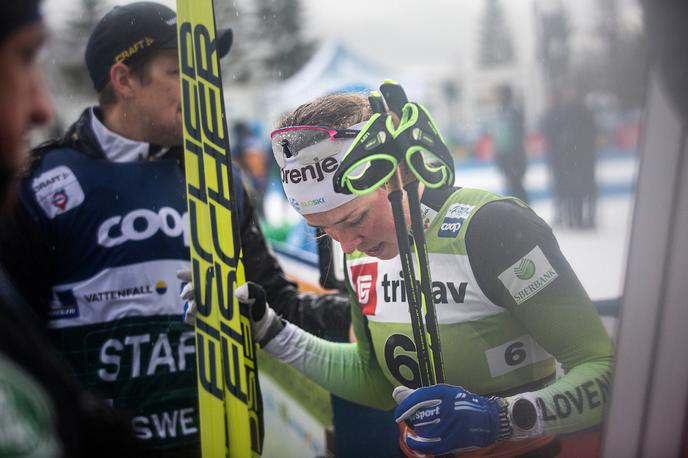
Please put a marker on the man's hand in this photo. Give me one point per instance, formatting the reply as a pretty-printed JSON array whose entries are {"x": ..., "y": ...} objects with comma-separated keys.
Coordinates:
[
  {"x": 187, "y": 295},
  {"x": 446, "y": 418}
]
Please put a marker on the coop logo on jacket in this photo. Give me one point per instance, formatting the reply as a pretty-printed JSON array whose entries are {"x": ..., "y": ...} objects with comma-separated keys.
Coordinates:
[
  {"x": 454, "y": 219},
  {"x": 142, "y": 224}
]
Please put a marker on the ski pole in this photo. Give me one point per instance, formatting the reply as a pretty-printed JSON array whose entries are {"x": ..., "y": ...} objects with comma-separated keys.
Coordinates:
[
  {"x": 375, "y": 158},
  {"x": 396, "y": 98},
  {"x": 427, "y": 376}
]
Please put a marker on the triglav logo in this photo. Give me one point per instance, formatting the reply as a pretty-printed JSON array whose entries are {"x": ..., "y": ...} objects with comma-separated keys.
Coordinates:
[
  {"x": 364, "y": 278},
  {"x": 394, "y": 289},
  {"x": 363, "y": 284}
]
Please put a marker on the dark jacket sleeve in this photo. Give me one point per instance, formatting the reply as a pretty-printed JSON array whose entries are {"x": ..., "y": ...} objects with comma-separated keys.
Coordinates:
[
  {"x": 503, "y": 232},
  {"x": 325, "y": 315},
  {"x": 86, "y": 426},
  {"x": 27, "y": 256},
  {"x": 548, "y": 299}
]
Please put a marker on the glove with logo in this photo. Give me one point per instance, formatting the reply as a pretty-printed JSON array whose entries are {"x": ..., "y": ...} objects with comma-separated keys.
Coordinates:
[{"x": 447, "y": 418}]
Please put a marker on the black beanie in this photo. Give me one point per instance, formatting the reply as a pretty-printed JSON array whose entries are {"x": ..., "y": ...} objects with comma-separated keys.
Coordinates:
[{"x": 17, "y": 13}]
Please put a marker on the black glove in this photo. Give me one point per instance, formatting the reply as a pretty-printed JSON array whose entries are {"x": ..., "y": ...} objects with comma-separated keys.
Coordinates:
[{"x": 265, "y": 323}]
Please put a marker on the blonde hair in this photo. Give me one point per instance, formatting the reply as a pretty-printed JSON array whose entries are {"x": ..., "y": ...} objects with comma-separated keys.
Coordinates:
[{"x": 336, "y": 110}]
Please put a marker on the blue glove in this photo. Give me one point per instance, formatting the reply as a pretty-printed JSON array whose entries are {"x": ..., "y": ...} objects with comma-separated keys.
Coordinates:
[{"x": 447, "y": 418}]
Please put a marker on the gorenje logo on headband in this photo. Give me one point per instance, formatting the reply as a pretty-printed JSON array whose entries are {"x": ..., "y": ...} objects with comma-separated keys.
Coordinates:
[{"x": 314, "y": 171}]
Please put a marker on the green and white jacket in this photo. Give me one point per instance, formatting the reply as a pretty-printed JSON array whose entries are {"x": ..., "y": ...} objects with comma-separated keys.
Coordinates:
[{"x": 508, "y": 304}]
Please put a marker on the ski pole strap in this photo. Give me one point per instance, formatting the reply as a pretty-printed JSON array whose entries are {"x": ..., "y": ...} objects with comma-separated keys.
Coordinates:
[
  {"x": 377, "y": 102},
  {"x": 424, "y": 149},
  {"x": 371, "y": 160}
]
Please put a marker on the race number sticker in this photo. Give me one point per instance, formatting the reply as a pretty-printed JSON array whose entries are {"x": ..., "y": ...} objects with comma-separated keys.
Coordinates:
[
  {"x": 528, "y": 276},
  {"x": 513, "y": 355},
  {"x": 57, "y": 191}
]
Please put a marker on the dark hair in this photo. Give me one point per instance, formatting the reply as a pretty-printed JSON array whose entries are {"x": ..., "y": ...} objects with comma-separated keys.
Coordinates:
[
  {"x": 138, "y": 69},
  {"x": 336, "y": 110}
]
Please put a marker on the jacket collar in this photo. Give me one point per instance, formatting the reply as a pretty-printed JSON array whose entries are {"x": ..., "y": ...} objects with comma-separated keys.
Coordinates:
[
  {"x": 431, "y": 202},
  {"x": 116, "y": 147},
  {"x": 90, "y": 136},
  {"x": 435, "y": 198}
]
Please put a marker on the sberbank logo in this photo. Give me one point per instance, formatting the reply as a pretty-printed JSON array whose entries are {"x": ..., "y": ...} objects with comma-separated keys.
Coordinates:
[{"x": 525, "y": 269}]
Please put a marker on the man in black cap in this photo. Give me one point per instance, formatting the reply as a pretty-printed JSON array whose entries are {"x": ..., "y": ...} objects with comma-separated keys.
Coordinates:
[
  {"x": 103, "y": 230},
  {"x": 131, "y": 57},
  {"x": 43, "y": 410}
]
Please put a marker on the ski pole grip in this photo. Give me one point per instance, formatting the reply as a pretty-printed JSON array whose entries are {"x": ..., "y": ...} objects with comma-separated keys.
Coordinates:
[{"x": 377, "y": 103}]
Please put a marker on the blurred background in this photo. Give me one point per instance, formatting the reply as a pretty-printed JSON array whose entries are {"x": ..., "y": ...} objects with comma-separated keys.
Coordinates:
[
  {"x": 564, "y": 63},
  {"x": 537, "y": 98}
]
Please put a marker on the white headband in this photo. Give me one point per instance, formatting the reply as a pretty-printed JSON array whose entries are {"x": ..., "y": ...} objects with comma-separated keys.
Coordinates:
[{"x": 309, "y": 187}]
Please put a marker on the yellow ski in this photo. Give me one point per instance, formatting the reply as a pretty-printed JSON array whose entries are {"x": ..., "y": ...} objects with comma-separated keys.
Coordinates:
[{"x": 231, "y": 423}]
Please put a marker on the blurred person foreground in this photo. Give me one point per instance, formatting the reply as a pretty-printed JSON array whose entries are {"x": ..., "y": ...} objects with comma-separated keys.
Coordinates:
[{"x": 44, "y": 411}]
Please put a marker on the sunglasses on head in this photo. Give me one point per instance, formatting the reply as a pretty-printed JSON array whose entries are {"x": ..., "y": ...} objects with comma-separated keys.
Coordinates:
[{"x": 307, "y": 144}]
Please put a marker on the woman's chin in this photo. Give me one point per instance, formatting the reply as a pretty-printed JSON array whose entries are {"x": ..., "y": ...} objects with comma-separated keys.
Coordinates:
[{"x": 385, "y": 252}]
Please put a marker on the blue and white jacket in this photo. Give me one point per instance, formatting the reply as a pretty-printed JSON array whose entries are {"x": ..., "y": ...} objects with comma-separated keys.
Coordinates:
[{"x": 99, "y": 236}]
